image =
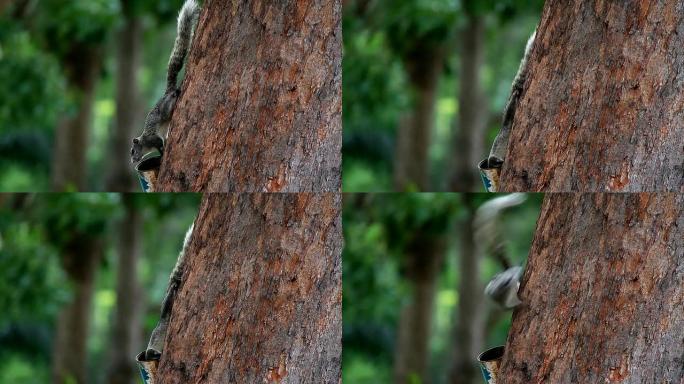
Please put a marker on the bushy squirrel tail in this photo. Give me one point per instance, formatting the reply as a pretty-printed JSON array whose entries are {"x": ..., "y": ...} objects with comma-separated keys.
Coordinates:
[{"x": 186, "y": 22}]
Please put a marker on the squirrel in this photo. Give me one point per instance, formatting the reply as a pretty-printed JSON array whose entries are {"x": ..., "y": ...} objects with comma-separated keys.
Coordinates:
[
  {"x": 156, "y": 344},
  {"x": 498, "y": 150},
  {"x": 157, "y": 121},
  {"x": 503, "y": 287}
]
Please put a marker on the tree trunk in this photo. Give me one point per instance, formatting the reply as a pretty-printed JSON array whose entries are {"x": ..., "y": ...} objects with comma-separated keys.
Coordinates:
[
  {"x": 411, "y": 161},
  {"x": 69, "y": 167},
  {"x": 262, "y": 103},
  {"x": 127, "y": 335},
  {"x": 128, "y": 120},
  {"x": 424, "y": 259},
  {"x": 80, "y": 260},
  {"x": 261, "y": 299},
  {"x": 601, "y": 107},
  {"x": 473, "y": 112},
  {"x": 602, "y": 293},
  {"x": 469, "y": 326}
]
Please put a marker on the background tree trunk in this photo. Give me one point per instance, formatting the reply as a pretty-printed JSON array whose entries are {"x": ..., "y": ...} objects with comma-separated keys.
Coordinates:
[
  {"x": 127, "y": 335},
  {"x": 4, "y": 4},
  {"x": 261, "y": 108},
  {"x": 69, "y": 167},
  {"x": 80, "y": 259},
  {"x": 128, "y": 119},
  {"x": 411, "y": 161},
  {"x": 473, "y": 112},
  {"x": 602, "y": 293},
  {"x": 469, "y": 333},
  {"x": 424, "y": 258},
  {"x": 601, "y": 108},
  {"x": 262, "y": 295}
]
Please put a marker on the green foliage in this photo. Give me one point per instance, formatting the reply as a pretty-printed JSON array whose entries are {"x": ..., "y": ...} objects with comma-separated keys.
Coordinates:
[
  {"x": 360, "y": 175},
  {"x": 421, "y": 24},
  {"x": 406, "y": 215},
  {"x": 18, "y": 177},
  {"x": 68, "y": 216},
  {"x": 32, "y": 284},
  {"x": 33, "y": 82},
  {"x": 17, "y": 369},
  {"x": 373, "y": 82},
  {"x": 31, "y": 89},
  {"x": 377, "y": 228},
  {"x": 64, "y": 25},
  {"x": 31, "y": 85},
  {"x": 360, "y": 369},
  {"x": 373, "y": 85}
]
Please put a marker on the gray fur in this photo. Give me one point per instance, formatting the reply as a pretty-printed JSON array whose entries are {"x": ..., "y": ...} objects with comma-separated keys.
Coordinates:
[
  {"x": 160, "y": 115},
  {"x": 156, "y": 343},
  {"x": 186, "y": 21},
  {"x": 498, "y": 151},
  {"x": 503, "y": 288}
]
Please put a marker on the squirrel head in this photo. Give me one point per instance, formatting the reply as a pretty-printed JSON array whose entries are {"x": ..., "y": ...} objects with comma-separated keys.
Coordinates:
[
  {"x": 136, "y": 150},
  {"x": 144, "y": 144}
]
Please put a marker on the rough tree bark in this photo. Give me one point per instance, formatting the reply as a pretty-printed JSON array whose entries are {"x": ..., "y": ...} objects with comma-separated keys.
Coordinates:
[
  {"x": 262, "y": 297},
  {"x": 261, "y": 106},
  {"x": 69, "y": 168},
  {"x": 127, "y": 335},
  {"x": 602, "y": 293},
  {"x": 469, "y": 333},
  {"x": 411, "y": 163},
  {"x": 424, "y": 256},
  {"x": 80, "y": 259},
  {"x": 473, "y": 112},
  {"x": 128, "y": 120},
  {"x": 601, "y": 110}
]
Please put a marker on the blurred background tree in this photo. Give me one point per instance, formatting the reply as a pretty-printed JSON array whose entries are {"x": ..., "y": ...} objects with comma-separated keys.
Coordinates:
[
  {"x": 425, "y": 82},
  {"x": 413, "y": 279},
  {"x": 72, "y": 268},
  {"x": 75, "y": 81}
]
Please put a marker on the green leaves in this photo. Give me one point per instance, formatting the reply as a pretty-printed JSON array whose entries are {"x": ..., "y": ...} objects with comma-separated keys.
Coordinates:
[
  {"x": 65, "y": 24},
  {"x": 32, "y": 284},
  {"x": 67, "y": 216},
  {"x": 410, "y": 24},
  {"x": 31, "y": 85}
]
